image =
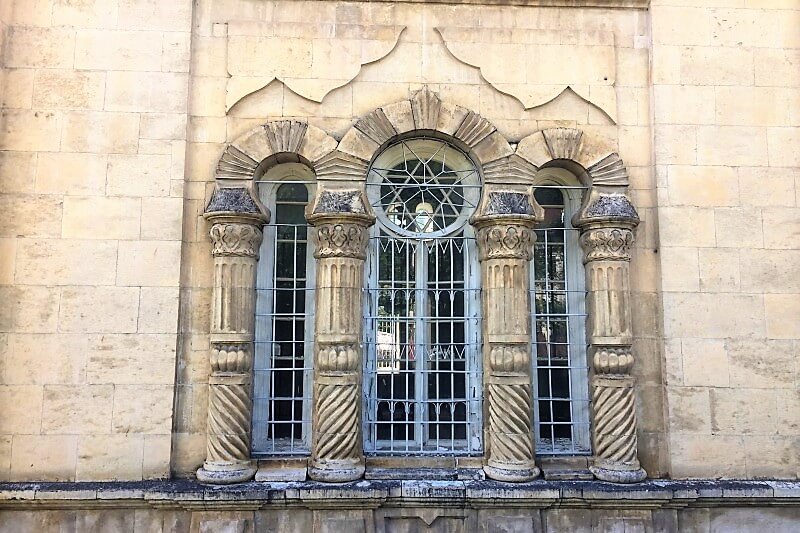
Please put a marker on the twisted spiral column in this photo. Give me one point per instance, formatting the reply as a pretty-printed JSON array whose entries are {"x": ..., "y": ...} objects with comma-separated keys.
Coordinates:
[
  {"x": 236, "y": 237},
  {"x": 342, "y": 237},
  {"x": 505, "y": 243},
  {"x": 606, "y": 241}
]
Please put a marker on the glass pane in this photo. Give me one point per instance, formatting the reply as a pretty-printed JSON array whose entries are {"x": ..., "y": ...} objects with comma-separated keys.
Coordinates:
[
  {"x": 282, "y": 366},
  {"x": 560, "y": 407},
  {"x": 548, "y": 196},
  {"x": 292, "y": 192}
]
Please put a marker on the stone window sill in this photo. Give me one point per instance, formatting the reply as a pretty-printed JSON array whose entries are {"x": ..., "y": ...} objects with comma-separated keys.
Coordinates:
[{"x": 286, "y": 469}]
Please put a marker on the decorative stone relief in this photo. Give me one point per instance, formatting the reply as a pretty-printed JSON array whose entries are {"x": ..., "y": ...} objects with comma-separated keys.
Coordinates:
[
  {"x": 536, "y": 67},
  {"x": 607, "y": 222},
  {"x": 235, "y": 240},
  {"x": 341, "y": 220},
  {"x": 511, "y": 169},
  {"x": 425, "y": 106},
  {"x": 505, "y": 241},
  {"x": 236, "y": 235},
  {"x": 504, "y": 224},
  {"x": 376, "y": 126},
  {"x": 295, "y": 140},
  {"x": 602, "y": 164},
  {"x": 338, "y": 165},
  {"x": 341, "y": 239},
  {"x": 423, "y": 111},
  {"x": 311, "y": 59},
  {"x": 607, "y": 243}
]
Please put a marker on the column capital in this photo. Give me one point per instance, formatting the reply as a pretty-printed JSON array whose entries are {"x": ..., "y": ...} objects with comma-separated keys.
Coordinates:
[
  {"x": 606, "y": 244},
  {"x": 602, "y": 209},
  {"x": 341, "y": 217},
  {"x": 504, "y": 222},
  {"x": 505, "y": 238},
  {"x": 236, "y": 219}
]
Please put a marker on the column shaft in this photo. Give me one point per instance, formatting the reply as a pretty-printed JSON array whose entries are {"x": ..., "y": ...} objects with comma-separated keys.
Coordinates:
[
  {"x": 337, "y": 448},
  {"x": 505, "y": 246},
  {"x": 607, "y": 256},
  {"x": 236, "y": 239}
]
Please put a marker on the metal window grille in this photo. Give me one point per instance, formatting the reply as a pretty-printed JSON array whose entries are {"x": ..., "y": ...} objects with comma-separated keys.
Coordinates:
[
  {"x": 561, "y": 401},
  {"x": 284, "y": 325},
  {"x": 422, "y": 366}
]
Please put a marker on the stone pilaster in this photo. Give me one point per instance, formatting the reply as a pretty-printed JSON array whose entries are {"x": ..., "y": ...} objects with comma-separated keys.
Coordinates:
[
  {"x": 236, "y": 236},
  {"x": 341, "y": 220},
  {"x": 607, "y": 224},
  {"x": 505, "y": 236}
]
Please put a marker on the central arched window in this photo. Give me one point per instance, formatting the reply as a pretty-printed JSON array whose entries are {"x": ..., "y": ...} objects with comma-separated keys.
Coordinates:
[{"x": 422, "y": 377}]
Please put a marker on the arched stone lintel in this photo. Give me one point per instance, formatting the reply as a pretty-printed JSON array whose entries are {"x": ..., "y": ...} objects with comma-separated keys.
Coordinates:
[
  {"x": 272, "y": 143},
  {"x": 591, "y": 158},
  {"x": 423, "y": 112}
]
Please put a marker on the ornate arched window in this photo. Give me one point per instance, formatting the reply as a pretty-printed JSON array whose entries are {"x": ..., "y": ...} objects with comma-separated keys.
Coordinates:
[
  {"x": 422, "y": 378},
  {"x": 448, "y": 266},
  {"x": 284, "y": 328}
]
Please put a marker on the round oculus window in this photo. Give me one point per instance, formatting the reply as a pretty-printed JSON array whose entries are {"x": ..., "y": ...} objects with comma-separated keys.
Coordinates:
[{"x": 423, "y": 187}]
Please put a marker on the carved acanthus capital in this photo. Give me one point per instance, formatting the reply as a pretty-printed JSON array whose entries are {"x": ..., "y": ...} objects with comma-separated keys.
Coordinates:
[
  {"x": 234, "y": 357},
  {"x": 607, "y": 244},
  {"x": 506, "y": 239},
  {"x": 235, "y": 239},
  {"x": 341, "y": 237},
  {"x": 612, "y": 360}
]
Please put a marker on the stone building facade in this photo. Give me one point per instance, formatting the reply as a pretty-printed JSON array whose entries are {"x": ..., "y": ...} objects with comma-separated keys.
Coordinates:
[{"x": 512, "y": 265}]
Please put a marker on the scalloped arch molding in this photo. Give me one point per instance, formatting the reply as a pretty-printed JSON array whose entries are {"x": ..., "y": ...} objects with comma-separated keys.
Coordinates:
[
  {"x": 314, "y": 59},
  {"x": 348, "y": 159}
]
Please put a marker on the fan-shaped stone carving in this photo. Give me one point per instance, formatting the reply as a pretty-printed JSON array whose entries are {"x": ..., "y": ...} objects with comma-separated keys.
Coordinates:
[
  {"x": 376, "y": 126},
  {"x": 423, "y": 111},
  {"x": 301, "y": 143},
  {"x": 600, "y": 159}
]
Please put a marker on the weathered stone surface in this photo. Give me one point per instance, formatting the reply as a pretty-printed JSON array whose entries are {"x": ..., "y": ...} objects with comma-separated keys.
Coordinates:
[{"x": 98, "y": 103}]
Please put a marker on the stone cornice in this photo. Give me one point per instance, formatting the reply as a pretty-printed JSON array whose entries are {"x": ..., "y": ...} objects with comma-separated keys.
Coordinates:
[
  {"x": 621, "y": 4},
  {"x": 190, "y": 495}
]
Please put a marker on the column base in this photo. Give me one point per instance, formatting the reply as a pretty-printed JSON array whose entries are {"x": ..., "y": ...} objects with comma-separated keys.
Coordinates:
[
  {"x": 336, "y": 471},
  {"x": 511, "y": 475},
  {"x": 227, "y": 474},
  {"x": 621, "y": 475}
]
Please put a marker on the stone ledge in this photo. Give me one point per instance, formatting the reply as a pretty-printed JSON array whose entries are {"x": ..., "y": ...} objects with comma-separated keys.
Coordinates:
[
  {"x": 370, "y": 494},
  {"x": 635, "y": 4}
]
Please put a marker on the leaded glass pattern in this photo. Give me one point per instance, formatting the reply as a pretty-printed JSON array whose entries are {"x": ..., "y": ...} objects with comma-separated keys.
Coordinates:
[
  {"x": 422, "y": 366},
  {"x": 282, "y": 363},
  {"x": 561, "y": 402},
  {"x": 428, "y": 186}
]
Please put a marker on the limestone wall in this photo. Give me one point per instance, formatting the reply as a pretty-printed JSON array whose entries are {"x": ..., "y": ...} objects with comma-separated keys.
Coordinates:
[
  {"x": 92, "y": 152},
  {"x": 113, "y": 114},
  {"x": 726, "y": 94}
]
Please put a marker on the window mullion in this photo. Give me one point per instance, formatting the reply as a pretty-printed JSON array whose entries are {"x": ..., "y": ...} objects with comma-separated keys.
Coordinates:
[{"x": 420, "y": 344}]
